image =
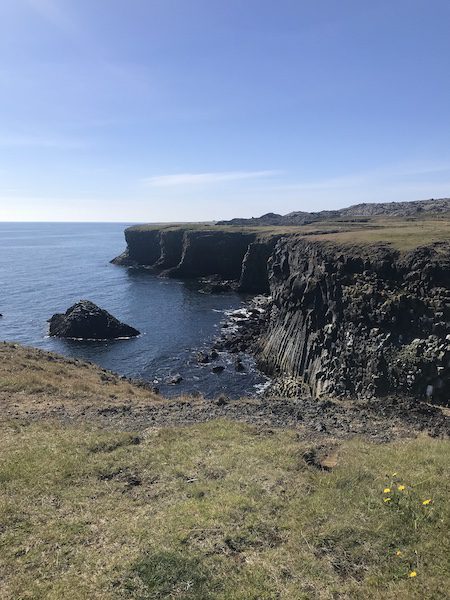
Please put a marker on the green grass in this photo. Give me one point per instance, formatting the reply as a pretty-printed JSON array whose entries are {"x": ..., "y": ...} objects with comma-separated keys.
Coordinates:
[
  {"x": 402, "y": 234},
  {"x": 217, "y": 511}
]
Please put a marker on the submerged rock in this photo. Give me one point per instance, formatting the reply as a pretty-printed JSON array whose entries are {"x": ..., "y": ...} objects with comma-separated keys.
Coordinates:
[
  {"x": 203, "y": 357},
  {"x": 216, "y": 285},
  {"x": 85, "y": 320},
  {"x": 173, "y": 379},
  {"x": 239, "y": 365}
]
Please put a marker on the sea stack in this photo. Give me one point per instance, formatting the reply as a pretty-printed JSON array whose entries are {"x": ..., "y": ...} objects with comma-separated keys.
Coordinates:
[{"x": 85, "y": 320}]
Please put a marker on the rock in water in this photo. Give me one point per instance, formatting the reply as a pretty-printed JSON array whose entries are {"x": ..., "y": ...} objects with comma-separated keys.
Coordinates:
[{"x": 85, "y": 320}]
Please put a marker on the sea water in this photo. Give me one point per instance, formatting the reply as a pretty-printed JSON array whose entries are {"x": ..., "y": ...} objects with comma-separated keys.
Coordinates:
[{"x": 47, "y": 267}]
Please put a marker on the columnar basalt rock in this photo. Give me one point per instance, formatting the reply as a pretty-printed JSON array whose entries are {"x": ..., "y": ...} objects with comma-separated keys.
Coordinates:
[
  {"x": 171, "y": 249},
  {"x": 189, "y": 253},
  {"x": 254, "y": 277},
  {"x": 360, "y": 322},
  {"x": 143, "y": 247}
]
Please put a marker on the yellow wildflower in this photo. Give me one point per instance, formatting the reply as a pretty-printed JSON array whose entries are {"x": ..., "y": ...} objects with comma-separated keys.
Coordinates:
[
  {"x": 401, "y": 488},
  {"x": 386, "y": 490},
  {"x": 426, "y": 502},
  {"x": 386, "y": 499},
  {"x": 413, "y": 574},
  {"x": 398, "y": 553}
]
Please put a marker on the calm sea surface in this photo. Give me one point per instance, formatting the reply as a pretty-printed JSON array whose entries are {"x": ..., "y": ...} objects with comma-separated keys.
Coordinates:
[{"x": 47, "y": 267}]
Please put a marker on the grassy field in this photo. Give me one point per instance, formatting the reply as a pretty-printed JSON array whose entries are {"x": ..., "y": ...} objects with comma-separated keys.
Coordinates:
[
  {"x": 402, "y": 234},
  {"x": 219, "y": 510}
]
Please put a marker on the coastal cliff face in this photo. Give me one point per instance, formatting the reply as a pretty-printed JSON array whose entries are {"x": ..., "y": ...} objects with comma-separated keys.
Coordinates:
[
  {"x": 240, "y": 256},
  {"x": 207, "y": 253},
  {"x": 359, "y": 321}
]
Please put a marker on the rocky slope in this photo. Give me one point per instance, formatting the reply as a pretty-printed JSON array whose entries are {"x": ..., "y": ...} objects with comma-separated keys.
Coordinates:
[
  {"x": 38, "y": 386},
  {"x": 381, "y": 209},
  {"x": 344, "y": 320}
]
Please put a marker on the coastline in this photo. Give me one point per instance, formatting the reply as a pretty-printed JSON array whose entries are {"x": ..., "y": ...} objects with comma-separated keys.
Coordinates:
[{"x": 361, "y": 320}]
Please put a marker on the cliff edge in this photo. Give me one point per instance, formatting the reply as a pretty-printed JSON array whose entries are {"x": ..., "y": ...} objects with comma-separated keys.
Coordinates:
[{"x": 358, "y": 309}]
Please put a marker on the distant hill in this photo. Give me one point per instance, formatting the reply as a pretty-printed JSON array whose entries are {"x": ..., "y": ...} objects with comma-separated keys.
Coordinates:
[{"x": 390, "y": 209}]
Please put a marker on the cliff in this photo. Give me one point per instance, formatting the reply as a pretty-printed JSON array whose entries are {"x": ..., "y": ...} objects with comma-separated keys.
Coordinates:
[
  {"x": 190, "y": 252},
  {"x": 363, "y": 322},
  {"x": 358, "y": 310}
]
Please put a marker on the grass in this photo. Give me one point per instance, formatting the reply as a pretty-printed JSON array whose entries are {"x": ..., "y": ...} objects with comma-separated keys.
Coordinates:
[
  {"x": 219, "y": 510},
  {"x": 402, "y": 234},
  {"x": 31, "y": 379}
]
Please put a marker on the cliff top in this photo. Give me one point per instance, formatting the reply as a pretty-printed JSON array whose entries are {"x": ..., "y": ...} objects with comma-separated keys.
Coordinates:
[{"x": 403, "y": 233}]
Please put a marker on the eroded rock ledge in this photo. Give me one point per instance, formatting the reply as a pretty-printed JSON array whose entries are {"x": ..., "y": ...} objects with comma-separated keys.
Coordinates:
[
  {"x": 188, "y": 253},
  {"x": 361, "y": 321}
]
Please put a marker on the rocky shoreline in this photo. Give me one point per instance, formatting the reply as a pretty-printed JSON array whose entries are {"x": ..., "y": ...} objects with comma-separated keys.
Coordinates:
[
  {"x": 327, "y": 320},
  {"x": 114, "y": 402}
]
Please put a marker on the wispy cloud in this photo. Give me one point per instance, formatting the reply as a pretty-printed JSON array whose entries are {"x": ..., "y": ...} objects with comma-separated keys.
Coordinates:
[{"x": 183, "y": 179}]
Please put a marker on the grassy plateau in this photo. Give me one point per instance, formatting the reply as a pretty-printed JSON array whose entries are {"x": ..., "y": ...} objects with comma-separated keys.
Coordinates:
[{"x": 398, "y": 232}]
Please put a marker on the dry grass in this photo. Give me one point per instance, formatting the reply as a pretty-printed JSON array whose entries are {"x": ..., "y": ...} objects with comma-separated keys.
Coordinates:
[
  {"x": 33, "y": 379},
  {"x": 403, "y": 234},
  {"x": 220, "y": 510}
]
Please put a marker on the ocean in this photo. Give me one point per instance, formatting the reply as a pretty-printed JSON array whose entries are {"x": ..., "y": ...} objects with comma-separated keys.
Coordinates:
[{"x": 47, "y": 267}]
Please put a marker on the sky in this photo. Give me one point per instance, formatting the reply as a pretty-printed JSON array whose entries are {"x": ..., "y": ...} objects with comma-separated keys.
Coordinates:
[{"x": 199, "y": 110}]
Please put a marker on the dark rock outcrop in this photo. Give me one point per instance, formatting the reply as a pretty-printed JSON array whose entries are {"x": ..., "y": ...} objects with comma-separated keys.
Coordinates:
[
  {"x": 85, "y": 320},
  {"x": 361, "y": 323},
  {"x": 171, "y": 249},
  {"x": 342, "y": 320},
  {"x": 212, "y": 253},
  {"x": 143, "y": 247},
  {"x": 254, "y": 277},
  {"x": 229, "y": 259}
]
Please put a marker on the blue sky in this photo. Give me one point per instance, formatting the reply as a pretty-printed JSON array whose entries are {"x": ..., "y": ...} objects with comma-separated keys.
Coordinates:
[{"x": 176, "y": 110}]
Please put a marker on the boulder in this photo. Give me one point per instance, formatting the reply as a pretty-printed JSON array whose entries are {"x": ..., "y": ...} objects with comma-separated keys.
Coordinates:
[{"x": 85, "y": 320}]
